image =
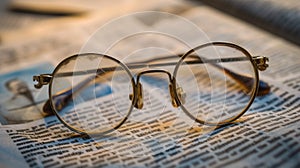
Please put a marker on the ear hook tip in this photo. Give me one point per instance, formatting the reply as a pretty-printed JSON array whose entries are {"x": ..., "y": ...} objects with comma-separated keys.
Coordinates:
[{"x": 263, "y": 88}]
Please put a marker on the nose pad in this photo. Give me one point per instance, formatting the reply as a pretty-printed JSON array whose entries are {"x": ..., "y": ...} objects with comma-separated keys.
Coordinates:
[
  {"x": 139, "y": 93},
  {"x": 180, "y": 94}
]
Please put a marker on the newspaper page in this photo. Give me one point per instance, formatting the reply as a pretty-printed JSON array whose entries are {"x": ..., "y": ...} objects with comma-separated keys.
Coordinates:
[{"x": 158, "y": 135}]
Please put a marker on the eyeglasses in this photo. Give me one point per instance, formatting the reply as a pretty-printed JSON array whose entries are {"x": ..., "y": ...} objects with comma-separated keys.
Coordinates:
[{"x": 213, "y": 84}]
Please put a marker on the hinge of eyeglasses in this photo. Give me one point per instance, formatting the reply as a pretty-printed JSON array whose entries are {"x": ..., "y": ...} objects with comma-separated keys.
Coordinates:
[
  {"x": 261, "y": 62},
  {"x": 41, "y": 80}
]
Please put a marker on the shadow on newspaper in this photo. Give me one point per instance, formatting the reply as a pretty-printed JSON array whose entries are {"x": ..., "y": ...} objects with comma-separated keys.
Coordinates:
[{"x": 19, "y": 101}]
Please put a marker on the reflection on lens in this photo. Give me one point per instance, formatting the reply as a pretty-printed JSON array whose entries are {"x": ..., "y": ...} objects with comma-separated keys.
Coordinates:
[
  {"x": 213, "y": 93},
  {"x": 88, "y": 92}
]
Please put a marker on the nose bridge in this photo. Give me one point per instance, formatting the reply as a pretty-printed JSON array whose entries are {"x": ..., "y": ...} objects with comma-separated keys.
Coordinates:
[
  {"x": 139, "y": 93},
  {"x": 154, "y": 71},
  {"x": 139, "y": 89}
]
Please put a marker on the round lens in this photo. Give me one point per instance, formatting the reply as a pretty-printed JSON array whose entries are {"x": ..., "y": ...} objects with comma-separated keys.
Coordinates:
[
  {"x": 90, "y": 93},
  {"x": 216, "y": 82}
]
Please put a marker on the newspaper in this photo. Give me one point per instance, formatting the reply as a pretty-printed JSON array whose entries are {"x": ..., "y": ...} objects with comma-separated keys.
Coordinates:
[{"x": 160, "y": 135}]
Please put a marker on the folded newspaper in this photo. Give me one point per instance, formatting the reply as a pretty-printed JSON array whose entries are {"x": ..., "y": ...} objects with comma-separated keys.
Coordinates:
[{"x": 268, "y": 135}]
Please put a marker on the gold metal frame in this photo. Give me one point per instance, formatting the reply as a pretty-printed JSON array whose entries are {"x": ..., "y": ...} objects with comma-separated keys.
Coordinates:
[{"x": 258, "y": 62}]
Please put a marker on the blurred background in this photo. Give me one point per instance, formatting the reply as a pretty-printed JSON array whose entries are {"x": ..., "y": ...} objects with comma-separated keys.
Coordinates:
[{"x": 281, "y": 18}]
